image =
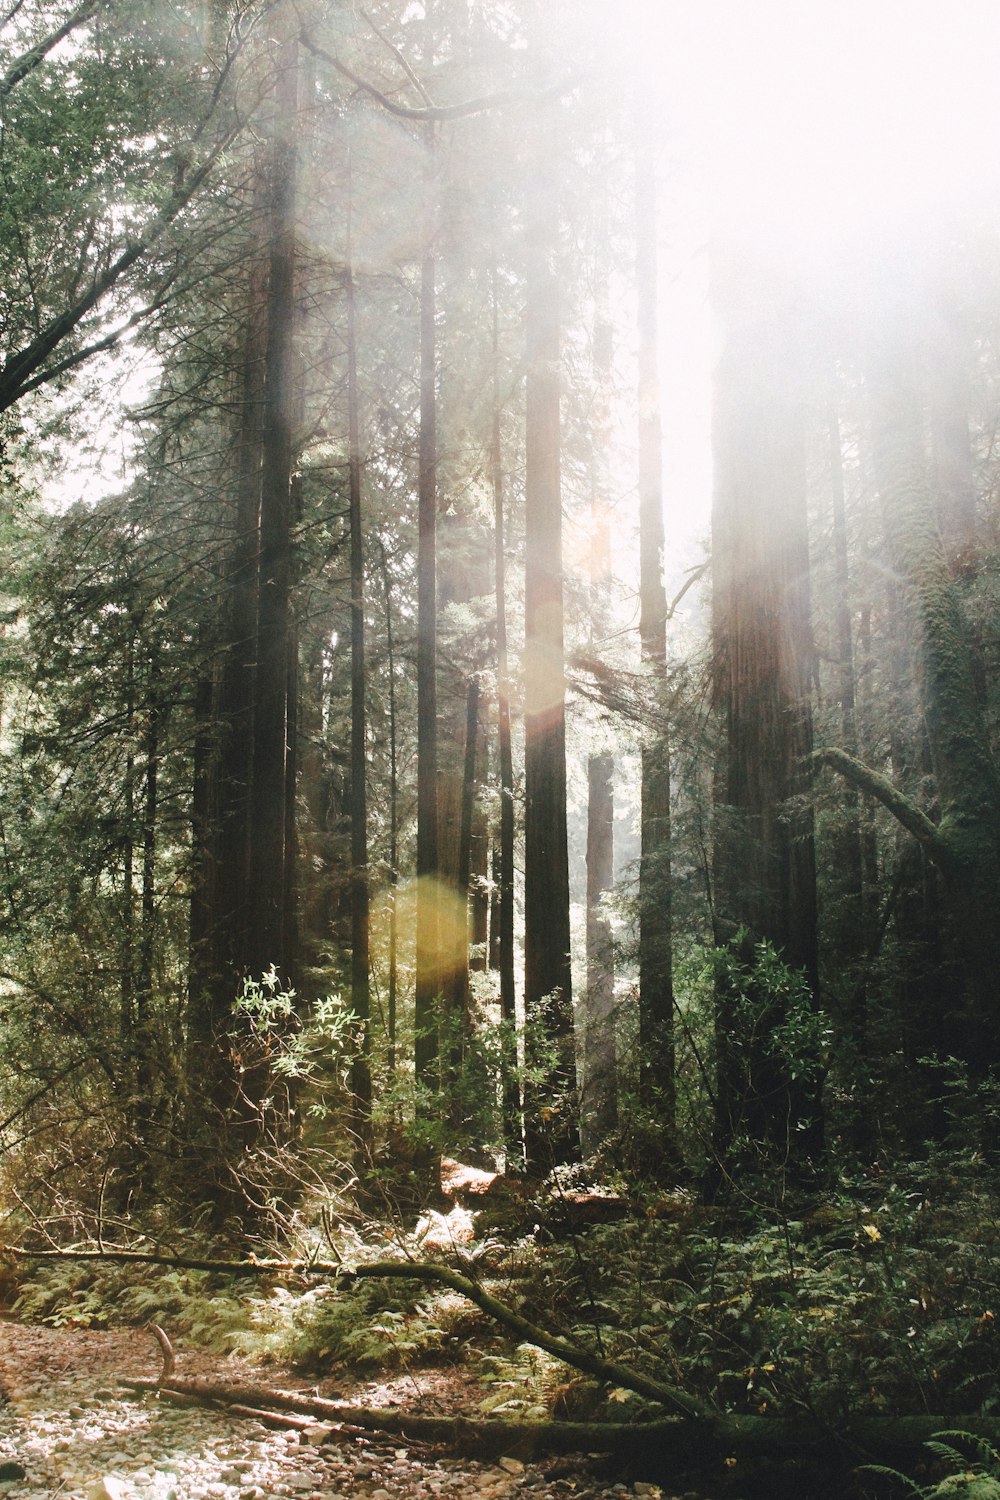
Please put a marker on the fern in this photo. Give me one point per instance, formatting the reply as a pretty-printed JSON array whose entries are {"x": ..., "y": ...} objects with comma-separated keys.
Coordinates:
[{"x": 975, "y": 1475}]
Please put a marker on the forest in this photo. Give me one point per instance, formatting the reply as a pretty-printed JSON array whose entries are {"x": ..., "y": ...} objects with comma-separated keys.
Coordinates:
[{"x": 500, "y": 715}]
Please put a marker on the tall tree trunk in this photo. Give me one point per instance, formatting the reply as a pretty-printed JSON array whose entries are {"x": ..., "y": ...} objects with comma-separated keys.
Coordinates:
[
  {"x": 598, "y": 1094},
  {"x": 204, "y": 851},
  {"x": 393, "y": 976},
  {"x": 224, "y": 760},
  {"x": 460, "y": 996},
  {"x": 270, "y": 855},
  {"x": 954, "y": 472},
  {"x": 145, "y": 1074},
  {"x": 550, "y": 1087},
  {"x": 765, "y": 858},
  {"x": 126, "y": 1024},
  {"x": 965, "y": 844},
  {"x": 428, "y": 965},
  {"x": 361, "y": 1084},
  {"x": 656, "y": 991},
  {"x": 598, "y": 1087},
  {"x": 503, "y": 949},
  {"x": 850, "y": 925}
]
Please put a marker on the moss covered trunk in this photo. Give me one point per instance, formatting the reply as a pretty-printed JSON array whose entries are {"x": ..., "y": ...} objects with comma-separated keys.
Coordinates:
[{"x": 967, "y": 846}]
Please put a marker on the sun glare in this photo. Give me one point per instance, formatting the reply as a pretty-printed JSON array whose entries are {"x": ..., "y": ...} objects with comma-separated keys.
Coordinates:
[
  {"x": 825, "y": 136},
  {"x": 818, "y": 129}
]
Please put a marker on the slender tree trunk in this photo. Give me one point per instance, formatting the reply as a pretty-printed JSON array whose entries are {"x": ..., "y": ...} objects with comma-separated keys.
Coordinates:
[
  {"x": 460, "y": 998},
  {"x": 503, "y": 949},
  {"x": 126, "y": 1024},
  {"x": 598, "y": 1093},
  {"x": 225, "y": 847},
  {"x": 204, "y": 848},
  {"x": 393, "y": 976},
  {"x": 479, "y": 870},
  {"x": 851, "y": 925},
  {"x": 428, "y": 965},
  {"x": 550, "y": 1086},
  {"x": 656, "y": 993},
  {"x": 598, "y": 1089},
  {"x": 361, "y": 1084},
  {"x": 145, "y": 1062}
]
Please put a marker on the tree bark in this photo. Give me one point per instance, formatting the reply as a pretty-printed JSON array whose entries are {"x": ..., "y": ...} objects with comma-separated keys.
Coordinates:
[
  {"x": 270, "y": 856},
  {"x": 599, "y": 1084},
  {"x": 965, "y": 842},
  {"x": 503, "y": 948},
  {"x": 428, "y": 966},
  {"x": 762, "y": 644},
  {"x": 850, "y": 919},
  {"x": 361, "y": 1083},
  {"x": 656, "y": 994},
  {"x": 551, "y": 1134}
]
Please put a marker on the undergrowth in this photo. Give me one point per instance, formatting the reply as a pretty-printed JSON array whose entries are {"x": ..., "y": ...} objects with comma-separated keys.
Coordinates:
[{"x": 876, "y": 1295}]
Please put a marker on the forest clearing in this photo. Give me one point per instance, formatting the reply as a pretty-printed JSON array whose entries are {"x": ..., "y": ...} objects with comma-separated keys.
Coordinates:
[{"x": 499, "y": 749}]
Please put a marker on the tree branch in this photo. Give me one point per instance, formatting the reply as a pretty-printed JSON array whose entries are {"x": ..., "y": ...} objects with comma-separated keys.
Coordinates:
[
  {"x": 30, "y": 60},
  {"x": 530, "y": 1333},
  {"x": 24, "y": 370},
  {"x": 906, "y": 812},
  {"x": 433, "y": 111}
]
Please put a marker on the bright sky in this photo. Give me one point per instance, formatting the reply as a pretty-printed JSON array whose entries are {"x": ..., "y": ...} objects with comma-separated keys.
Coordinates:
[{"x": 822, "y": 133}]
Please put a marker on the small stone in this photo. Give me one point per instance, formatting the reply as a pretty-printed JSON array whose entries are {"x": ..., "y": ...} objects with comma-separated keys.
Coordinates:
[
  {"x": 650, "y": 1491},
  {"x": 511, "y": 1465},
  {"x": 108, "y": 1488},
  {"x": 381, "y": 1495},
  {"x": 253, "y": 1493}
]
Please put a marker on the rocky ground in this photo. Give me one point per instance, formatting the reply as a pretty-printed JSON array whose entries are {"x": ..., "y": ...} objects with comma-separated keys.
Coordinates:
[{"x": 68, "y": 1430}]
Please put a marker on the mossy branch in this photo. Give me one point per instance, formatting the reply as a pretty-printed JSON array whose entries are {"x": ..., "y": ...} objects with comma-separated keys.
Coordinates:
[
  {"x": 530, "y": 1333},
  {"x": 905, "y": 811}
]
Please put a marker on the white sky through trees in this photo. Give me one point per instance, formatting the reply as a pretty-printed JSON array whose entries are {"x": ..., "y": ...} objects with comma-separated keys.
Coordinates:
[{"x": 828, "y": 136}]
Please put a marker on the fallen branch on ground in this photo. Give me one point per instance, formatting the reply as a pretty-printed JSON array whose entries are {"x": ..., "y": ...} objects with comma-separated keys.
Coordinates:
[
  {"x": 673, "y": 1439},
  {"x": 696, "y": 1431},
  {"x": 530, "y": 1333}
]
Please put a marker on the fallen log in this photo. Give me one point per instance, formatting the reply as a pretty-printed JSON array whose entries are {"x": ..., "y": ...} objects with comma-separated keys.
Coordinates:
[
  {"x": 571, "y": 1353},
  {"x": 696, "y": 1431},
  {"x": 667, "y": 1440}
]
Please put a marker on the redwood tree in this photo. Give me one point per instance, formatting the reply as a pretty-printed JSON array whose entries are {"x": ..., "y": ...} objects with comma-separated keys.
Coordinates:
[
  {"x": 550, "y": 1087},
  {"x": 765, "y": 881}
]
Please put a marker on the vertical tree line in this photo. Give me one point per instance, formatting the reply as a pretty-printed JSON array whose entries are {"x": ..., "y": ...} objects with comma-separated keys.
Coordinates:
[{"x": 353, "y": 733}]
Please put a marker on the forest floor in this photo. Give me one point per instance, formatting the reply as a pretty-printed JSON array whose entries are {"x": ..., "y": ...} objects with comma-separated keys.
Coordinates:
[{"x": 68, "y": 1430}]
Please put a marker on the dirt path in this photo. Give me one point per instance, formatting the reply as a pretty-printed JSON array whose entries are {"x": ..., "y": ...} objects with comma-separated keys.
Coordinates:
[{"x": 67, "y": 1430}]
